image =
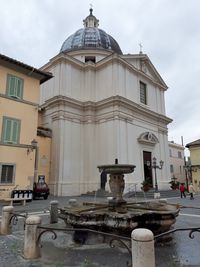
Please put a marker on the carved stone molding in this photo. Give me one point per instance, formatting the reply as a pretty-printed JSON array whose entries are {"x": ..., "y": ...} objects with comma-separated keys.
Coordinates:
[{"x": 148, "y": 138}]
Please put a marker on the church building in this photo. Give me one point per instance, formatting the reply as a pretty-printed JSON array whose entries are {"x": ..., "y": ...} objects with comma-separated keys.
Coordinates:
[{"x": 103, "y": 105}]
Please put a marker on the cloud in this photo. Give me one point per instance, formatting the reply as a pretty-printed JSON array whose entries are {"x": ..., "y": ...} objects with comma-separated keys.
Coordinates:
[{"x": 33, "y": 31}]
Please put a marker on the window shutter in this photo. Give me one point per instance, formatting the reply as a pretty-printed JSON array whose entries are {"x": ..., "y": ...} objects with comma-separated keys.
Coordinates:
[
  {"x": 15, "y": 131},
  {"x": 11, "y": 130},
  {"x": 19, "y": 88},
  {"x": 11, "y": 86},
  {"x": 7, "y": 130},
  {"x": 14, "y": 86}
]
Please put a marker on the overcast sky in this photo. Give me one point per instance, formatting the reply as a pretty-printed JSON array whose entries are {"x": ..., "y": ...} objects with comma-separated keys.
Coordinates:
[{"x": 33, "y": 31}]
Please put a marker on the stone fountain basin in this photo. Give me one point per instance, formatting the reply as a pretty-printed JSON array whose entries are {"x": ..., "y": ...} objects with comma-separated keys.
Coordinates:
[
  {"x": 156, "y": 216},
  {"x": 117, "y": 168}
]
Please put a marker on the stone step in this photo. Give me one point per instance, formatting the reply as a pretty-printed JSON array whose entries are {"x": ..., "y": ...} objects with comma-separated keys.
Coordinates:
[
  {"x": 139, "y": 194},
  {"x": 150, "y": 194}
]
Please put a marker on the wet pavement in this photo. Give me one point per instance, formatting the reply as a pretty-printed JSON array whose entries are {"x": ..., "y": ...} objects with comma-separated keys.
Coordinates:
[{"x": 181, "y": 251}]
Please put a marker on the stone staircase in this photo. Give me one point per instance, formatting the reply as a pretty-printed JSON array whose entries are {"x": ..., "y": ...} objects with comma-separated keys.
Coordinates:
[
  {"x": 138, "y": 194},
  {"x": 150, "y": 194}
]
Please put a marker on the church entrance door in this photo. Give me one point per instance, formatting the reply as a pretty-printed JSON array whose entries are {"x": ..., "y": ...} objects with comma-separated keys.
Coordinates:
[{"x": 147, "y": 167}]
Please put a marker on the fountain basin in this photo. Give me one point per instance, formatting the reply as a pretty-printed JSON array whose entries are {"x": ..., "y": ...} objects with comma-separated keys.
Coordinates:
[
  {"x": 117, "y": 216},
  {"x": 117, "y": 168},
  {"x": 153, "y": 215}
]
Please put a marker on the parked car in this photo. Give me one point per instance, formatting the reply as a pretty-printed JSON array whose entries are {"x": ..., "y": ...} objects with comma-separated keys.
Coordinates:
[{"x": 40, "y": 190}]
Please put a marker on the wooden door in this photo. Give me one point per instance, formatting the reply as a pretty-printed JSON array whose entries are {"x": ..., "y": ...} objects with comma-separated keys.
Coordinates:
[{"x": 147, "y": 166}]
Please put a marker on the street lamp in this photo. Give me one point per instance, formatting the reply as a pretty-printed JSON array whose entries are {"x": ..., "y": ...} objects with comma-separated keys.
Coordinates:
[{"x": 155, "y": 166}]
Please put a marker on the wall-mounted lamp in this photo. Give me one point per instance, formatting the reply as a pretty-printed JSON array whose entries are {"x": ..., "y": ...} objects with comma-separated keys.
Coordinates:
[{"x": 32, "y": 146}]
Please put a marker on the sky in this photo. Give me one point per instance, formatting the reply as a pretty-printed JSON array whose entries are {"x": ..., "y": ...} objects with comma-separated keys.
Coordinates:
[{"x": 32, "y": 31}]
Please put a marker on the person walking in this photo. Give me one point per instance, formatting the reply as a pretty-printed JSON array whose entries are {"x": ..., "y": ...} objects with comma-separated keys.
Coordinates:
[
  {"x": 182, "y": 190},
  {"x": 191, "y": 191}
]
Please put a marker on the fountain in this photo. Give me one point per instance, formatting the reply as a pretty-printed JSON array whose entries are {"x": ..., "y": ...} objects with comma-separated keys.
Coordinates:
[
  {"x": 116, "y": 215},
  {"x": 117, "y": 184}
]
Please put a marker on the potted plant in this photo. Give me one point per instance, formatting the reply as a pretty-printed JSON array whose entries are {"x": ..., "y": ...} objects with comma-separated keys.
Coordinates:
[
  {"x": 174, "y": 184},
  {"x": 146, "y": 185}
]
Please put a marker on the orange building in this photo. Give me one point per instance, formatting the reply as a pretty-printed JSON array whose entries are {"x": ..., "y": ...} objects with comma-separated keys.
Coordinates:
[{"x": 19, "y": 101}]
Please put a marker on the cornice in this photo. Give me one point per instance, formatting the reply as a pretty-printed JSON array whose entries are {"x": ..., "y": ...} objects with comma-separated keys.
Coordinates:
[
  {"x": 160, "y": 84},
  {"x": 174, "y": 145},
  {"x": 90, "y": 51},
  {"x": 63, "y": 58},
  {"x": 144, "y": 57},
  {"x": 109, "y": 59},
  {"x": 120, "y": 108}
]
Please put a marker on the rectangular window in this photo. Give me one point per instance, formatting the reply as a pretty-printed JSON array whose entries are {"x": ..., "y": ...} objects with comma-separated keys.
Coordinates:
[
  {"x": 170, "y": 153},
  {"x": 7, "y": 172},
  {"x": 11, "y": 130},
  {"x": 90, "y": 58},
  {"x": 143, "y": 93},
  {"x": 179, "y": 155},
  {"x": 14, "y": 86},
  {"x": 171, "y": 168}
]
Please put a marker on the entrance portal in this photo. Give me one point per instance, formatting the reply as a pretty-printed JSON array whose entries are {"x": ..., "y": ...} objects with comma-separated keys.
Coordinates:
[{"x": 147, "y": 167}]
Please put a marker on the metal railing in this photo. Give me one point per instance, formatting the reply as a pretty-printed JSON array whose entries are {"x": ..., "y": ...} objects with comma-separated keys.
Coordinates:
[
  {"x": 15, "y": 218},
  {"x": 191, "y": 230},
  {"x": 114, "y": 238}
]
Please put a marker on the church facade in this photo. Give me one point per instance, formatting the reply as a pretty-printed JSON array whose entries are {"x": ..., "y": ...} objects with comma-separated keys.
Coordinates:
[{"x": 101, "y": 105}]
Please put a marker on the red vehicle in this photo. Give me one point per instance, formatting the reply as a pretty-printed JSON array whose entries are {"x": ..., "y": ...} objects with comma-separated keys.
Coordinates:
[{"x": 40, "y": 190}]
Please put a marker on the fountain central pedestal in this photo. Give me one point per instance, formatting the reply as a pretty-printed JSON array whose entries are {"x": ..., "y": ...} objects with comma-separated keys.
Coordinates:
[{"x": 117, "y": 183}]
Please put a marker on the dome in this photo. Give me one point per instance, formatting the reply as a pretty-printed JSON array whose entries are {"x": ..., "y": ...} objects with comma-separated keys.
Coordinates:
[{"x": 90, "y": 37}]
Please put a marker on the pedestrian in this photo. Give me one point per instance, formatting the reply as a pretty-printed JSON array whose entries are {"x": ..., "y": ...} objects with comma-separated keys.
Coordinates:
[
  {"x": 182, "y": 190},
  {"x": 191, "y": 191}
]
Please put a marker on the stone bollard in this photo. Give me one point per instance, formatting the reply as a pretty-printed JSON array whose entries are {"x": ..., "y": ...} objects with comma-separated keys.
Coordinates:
[
  {"x": 73, "y": 202},
  {"x": 6, "y": 227},
  {"x": 31, "y": 248},
  {"x": 157, "y": 195},
  {"x": 142, "y": 248},
  {"x": 54, "y": 211}
]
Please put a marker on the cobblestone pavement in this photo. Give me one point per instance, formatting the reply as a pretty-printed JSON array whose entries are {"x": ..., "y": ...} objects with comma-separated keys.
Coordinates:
[{"x": 180, "y": 252}]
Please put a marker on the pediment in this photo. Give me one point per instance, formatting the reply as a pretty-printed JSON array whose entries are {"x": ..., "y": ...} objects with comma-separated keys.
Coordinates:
[
  {"x": 143, "y": 64},
  {"x": 148, "y": 68},
  {"x": 148, "y": 138}
]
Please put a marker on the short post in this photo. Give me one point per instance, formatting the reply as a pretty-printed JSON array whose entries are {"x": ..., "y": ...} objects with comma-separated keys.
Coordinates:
[
  {"x": 6, "y": 227},
  {"x": 54, "y": 211},
  {"x": 72, "y": 202},
  {"x": 157, "y": 195},
  {"x": 31, "y": 248},
  {"x": 142, "y": 248}
]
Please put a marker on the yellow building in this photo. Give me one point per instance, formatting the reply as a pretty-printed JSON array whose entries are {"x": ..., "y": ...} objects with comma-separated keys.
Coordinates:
[
  {"x": 194, "y": 148},
  {"x": 19, "y": 100}
]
